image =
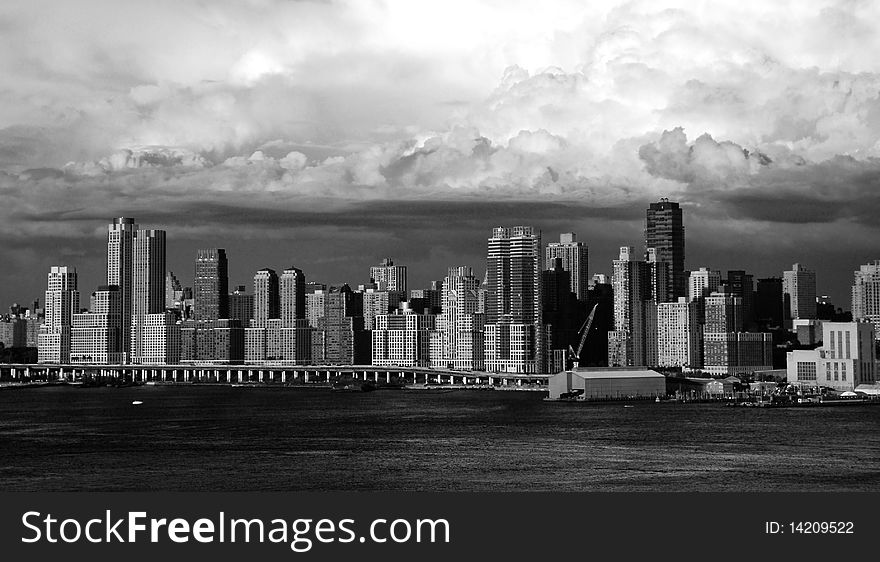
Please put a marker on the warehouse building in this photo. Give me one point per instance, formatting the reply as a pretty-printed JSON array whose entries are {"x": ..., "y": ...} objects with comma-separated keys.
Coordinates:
[{"x": 607, "y": 383}]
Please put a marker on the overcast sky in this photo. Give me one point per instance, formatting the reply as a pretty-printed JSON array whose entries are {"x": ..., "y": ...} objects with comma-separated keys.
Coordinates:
[{"x": 330, "y": 134}]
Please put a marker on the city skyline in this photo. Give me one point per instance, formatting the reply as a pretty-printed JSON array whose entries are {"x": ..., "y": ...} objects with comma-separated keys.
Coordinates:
[{"x": 334, "y": 134}]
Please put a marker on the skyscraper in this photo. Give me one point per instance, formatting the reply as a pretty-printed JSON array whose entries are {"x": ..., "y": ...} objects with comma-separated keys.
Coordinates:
[
  {"x": 266, "y": 301},
  {"x": 664, "y": 230},
  {"x": 515, "y": 339},
  {"x": 514, "y": 276},
  {"x": 741, "y": 284},
  {"x": 460, "y": 326},
  {"x": 173, "y": 290},
  {"x": 575, "y": 260},
  {"x": 866, "y": 295},
  {"x": 120, "y": 254},
  {"x": 389, "y": 277},
  {"x": 148, "y": 286},
  {"x": 799, "y": 292},
  {"x": 702, "y": 283},
  {"x": 241, "y": 305},
  {"x": 211, "y": 286},
  {"x": 292, "y": 286},
  {"x": 62, "y": 302},
  {"x": 631, "y": 281},
  {"x": 768, "y": 302}
]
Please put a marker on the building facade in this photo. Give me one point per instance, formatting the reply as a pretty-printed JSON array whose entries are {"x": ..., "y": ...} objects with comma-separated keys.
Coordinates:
[
  {"x": 575, "y": 258},
  {"x": 211, "y": 285},
  {"x": 62, "y": 302},
  {"x": 799, "y": 292},
  {"x": 847, "y": 358},
  {"x": 664, "y": 230},
  {"x": 518, "y": 342},
  {"x": 148, "y": 286},
  {"x": 389, "y": 277},
  {"x": 866, "y": 295}
]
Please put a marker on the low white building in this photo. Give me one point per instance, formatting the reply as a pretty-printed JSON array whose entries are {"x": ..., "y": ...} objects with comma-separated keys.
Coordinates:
[
  {"x": 607, "y": 383},
  {"x": 846, "y": 359}
]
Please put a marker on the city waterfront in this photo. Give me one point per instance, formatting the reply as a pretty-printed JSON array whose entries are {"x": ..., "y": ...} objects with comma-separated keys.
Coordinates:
[{"x": 218, "y": 438}]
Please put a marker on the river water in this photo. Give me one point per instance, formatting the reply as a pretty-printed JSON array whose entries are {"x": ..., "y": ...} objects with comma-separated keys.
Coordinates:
[{"x": 216, "y": 438}]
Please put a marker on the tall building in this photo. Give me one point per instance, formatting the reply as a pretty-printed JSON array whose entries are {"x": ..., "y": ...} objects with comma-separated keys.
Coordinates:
[
  {"x": 459, "y": 329},
  {"x": 120, "y": 256},
  {"x": 563, "y": 311},
  {"x": 575, "y": 260},
  {"x": 173, "y": 290},
  {"x": 660, "y": 273},
  {"x": 741, "y": 284},
  {"x": 769, "y": 312},
  {"x": 664, "y": 230},
  {"x": 514, "y": 276},
  {"x": 702, "y": 283},
  {"x": 344, "y": 339},
  {"x": 389, "y": 277},
  {"x": 631, "y": 282},
  {"x": 727, "y": 350},
  {"x": 62, "y": 302},
  {"x": 241, "y": 305},
  {"x": 799, "y": 292},
  {"x": 679, "y": 336},
  {"x": 292, "y": 288},
  {"x": 148, "y": 286},
  {"x": 515, "y": 338},
  {"x": 866, "y": 295},
  {"x": 266, "y": 298},
  {"x": 211, "y": 285},
  {"x": 96, "y": 336},
  {"x": 402, "y": 340},
  {"x": 724, "y": 313}
]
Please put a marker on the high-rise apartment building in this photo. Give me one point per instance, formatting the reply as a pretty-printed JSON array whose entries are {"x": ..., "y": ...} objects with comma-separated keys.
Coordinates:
[
  {"x": 866, "y": 295},
  {"x": 402, "y": 340},
  {"x": 702, "y": 283},
  {"x": 515, "y": 338},
  {"x": 96, "y": 336},
  {"x": 148, "y": 286},
  {"x": 799, "y": 292},
  {"x": 664, "y": 230},
  {"x": 459, "y": 330},
  {"x": 679, "y": 335},
  {"x": 631, "y": 282},
  {"x": 62, "y": 302},
  {"x": 575, "y": 260},
  {"x": 120, "y": 256},
  {"x": 211, "y": 285},
  {"x": 266, "y": 298},
  {"x": 389, "y": 277}
]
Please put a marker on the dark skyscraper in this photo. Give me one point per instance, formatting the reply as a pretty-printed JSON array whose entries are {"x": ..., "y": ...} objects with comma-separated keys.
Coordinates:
[
  {"x": 664, "y": 230},
  {"x": 740, "y": 284},
  {"x": 211, "y": 286},
  {"x": 769, "y": 310},
  {"x": 292, "y": 291}
]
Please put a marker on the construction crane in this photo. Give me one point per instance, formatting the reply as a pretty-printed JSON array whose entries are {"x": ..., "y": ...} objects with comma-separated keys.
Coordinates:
[{"x": 575, "y": 356}]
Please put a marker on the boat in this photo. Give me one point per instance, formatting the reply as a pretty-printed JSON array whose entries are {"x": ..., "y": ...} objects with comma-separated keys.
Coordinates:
[{"x": 136, "y": 403}]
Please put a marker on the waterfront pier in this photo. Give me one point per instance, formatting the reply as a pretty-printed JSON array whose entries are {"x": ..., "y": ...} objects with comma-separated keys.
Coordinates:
[{"x": 266, "y": 374}]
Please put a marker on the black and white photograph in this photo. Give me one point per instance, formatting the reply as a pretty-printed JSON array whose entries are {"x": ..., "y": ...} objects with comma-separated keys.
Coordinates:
[{"x": 421, "y": 246}]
